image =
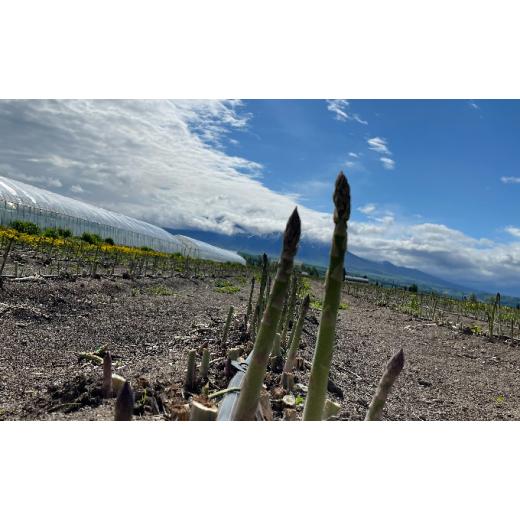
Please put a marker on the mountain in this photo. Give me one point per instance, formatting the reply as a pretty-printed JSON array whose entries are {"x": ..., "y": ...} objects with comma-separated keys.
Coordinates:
[{"x": 317, "y": 254}]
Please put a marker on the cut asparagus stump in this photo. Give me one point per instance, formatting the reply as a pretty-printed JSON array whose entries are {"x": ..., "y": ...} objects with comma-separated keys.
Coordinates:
[
  {"x": 252, "y": 384},
  {"x": 330, "y": 409},
  {"x": 392, "y": 371},
  {"x": 315, "y": 401},
  {"x": 201, "y": 412}
]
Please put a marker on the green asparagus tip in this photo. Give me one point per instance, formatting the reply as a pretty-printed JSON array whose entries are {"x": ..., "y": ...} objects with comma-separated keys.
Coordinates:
[
  {"x": 292, "y": 234},
  {"x": 341, "y": 198}
]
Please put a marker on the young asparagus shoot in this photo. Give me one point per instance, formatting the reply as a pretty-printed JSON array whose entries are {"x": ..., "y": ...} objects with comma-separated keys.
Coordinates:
[
  {"x": 491, "y": 315},
  {"x": 263, "y": 282},
  {"x": 189, "y": 381},
  {"x": 295, "y": 343},
  {"x": 227, "y": 325},
  {"x": 124, "y": 408},
  {"x": 267, "y": 290},
  {"x": 290, "y": 309},
  {"x": 333, "y": 282},
  {"x": 252, "y": 383},
  {"x": 107, "y": 375},
  {"x": 276, "y": 355},
  {"x": 392, "y": 371},
  {"x": 250, "y": 302}
]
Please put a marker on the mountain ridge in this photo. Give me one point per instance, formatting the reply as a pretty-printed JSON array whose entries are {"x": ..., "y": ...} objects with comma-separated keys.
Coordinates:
[{"x": 317, "y": 254}]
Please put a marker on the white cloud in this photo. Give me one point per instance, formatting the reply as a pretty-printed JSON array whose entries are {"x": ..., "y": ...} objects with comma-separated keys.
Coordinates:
[
  {"x": 367, "y": 209},
  {"x": 340, "y": 107},
  {"x": 388, "y": 164},
  {"x": 162, "y": 161},
  {"x": 156, "y": 160},
  {"x": 514, "y": 231},
  {"x": 441, "y": 251},
  {"x": 473, "y": 105},
  {"x": 352, "y": 154},
  {"x": 55, "y": 160},
  {"x": 510, "y": 180},
  {"x": 379, "y": 145}
]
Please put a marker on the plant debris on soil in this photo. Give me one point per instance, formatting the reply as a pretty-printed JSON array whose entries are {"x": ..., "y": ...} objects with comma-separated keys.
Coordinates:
[{"x": 149, "y": 325}]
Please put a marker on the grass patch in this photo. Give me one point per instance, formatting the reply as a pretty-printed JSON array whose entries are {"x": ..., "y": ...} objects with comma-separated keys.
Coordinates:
[
  {"x": 160, "y": 290},
  {"x": 305, "y": 287},
  {"x": 226, "y": 287},
  {"x": 316, "y": 304}
]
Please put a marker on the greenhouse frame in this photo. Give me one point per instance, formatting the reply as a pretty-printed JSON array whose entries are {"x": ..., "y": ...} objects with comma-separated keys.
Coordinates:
[{"x": 20, "y": 201}]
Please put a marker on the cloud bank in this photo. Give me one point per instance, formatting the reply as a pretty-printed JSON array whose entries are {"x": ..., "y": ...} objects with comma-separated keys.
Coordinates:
[{"x": 166, "y": 162}]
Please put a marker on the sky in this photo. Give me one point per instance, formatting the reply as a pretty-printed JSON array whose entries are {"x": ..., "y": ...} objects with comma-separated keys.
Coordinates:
[{"x": 435, "y": 184}]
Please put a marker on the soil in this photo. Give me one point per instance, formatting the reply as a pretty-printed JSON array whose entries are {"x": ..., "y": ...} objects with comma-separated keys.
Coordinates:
[{"x": 149, "y": 325}]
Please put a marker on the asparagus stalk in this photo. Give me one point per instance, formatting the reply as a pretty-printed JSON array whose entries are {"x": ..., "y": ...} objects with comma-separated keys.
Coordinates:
[
  {"x": 226, "y": 327},
  {"x": 232, "y": 355},
  {"x": 267, "y": 291},
  {"x": 263, "y": 282},
  {"x": 277, "y": 349},
  {"x": 252, "y": 328},
  {"x": 333, "y": 282},
  {"x": 392, "y": 371},
  {"x": 252, "y": 383},
  {"x": 295, "y": 343},
  {"x": 290, "y": 309},
  {"x": 107, "y": 375},
  {"x": 204, "y": 365},
  {"x": 250, "y": 302},
  {"x": 189, "y": 380}
]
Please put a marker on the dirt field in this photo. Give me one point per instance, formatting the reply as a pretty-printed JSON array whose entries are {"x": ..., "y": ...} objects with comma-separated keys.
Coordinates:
[{"x": 150, "y": 324}]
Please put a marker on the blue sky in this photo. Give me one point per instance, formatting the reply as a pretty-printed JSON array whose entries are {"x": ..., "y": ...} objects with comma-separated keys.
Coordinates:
[
  {"x": 449, "y": 157},
  {"x": 435, "y": 184}
]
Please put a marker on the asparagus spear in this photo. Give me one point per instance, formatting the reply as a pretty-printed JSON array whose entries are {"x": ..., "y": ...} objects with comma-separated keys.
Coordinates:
[
  {"x": 252, "y": 382},
  {"x": 227, "y": 325},
  {"x": 124, "y": 407},
  {"x": 334, "y": 280},
  {"x": 393, "y": 369},
  {"x": 293, "y": 349},
  {"x": 290, "y": 309},
  {"x": 250, "y": 302}
]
